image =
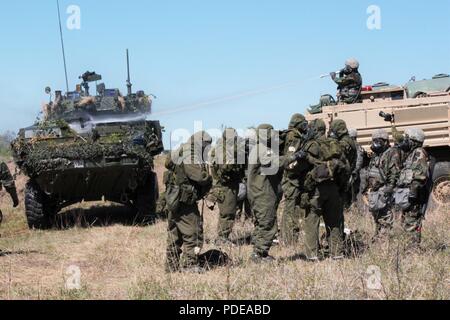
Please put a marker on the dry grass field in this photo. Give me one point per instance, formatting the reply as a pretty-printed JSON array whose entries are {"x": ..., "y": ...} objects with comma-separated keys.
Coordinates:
[{"x": 120, "y": 260}]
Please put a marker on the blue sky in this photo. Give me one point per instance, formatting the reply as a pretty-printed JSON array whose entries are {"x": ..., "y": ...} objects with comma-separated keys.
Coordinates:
[{"x": 188, "y": 52}]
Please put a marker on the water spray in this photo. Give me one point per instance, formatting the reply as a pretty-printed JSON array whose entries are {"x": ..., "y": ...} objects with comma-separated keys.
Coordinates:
[{"x": 232, "y": 97}]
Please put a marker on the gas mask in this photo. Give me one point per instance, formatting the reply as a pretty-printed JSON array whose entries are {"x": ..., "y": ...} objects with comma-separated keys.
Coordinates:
[
  {"x": 303, "y": 127},
  {"x": 333, "y": 135},
  {"x": 406, "y": 144},
  {"x": 347, "y": 70},
  {"x": 378, "y": 146}
]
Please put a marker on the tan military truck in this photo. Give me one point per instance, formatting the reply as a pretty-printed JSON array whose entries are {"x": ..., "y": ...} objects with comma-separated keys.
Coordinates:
[{"x": 424, "y": 104}]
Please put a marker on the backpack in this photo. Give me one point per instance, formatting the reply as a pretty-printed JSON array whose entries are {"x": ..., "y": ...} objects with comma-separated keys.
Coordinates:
[{"x": 330, "y": 165}]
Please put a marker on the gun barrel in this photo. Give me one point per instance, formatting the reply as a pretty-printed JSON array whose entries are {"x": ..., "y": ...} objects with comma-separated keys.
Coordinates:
[{"x": 129, "y": 85}]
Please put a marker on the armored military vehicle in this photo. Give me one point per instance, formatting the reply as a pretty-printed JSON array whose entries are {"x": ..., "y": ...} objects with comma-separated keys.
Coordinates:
[
  {"x": 89, "y": 148},
  {"x": 421, "y": 104}
]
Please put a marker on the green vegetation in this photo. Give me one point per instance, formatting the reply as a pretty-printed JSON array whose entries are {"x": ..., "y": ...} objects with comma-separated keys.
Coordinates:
[{"x": 5, "y": 141}]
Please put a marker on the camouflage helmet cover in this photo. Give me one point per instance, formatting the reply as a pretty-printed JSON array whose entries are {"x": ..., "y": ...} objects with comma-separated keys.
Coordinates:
[
  {"x": 353, "y": 133},
  {"x": 296, "y": 120},
  {"x": 318, "y": 125},
  {"x": 380, "y": 134},
  {"x": 339, "y": 127},
  {"x": 416, "y": 134}
]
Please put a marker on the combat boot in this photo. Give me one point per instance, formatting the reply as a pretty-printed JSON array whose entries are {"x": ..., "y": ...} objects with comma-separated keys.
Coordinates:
[{"x": 259, "y": 258}]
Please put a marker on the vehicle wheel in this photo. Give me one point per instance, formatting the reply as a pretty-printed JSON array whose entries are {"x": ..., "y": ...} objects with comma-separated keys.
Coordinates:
[
  {"x": 146, "y": 198},
  {"x": 37, "y": 208},
  {"x": 440, "y": 192}
]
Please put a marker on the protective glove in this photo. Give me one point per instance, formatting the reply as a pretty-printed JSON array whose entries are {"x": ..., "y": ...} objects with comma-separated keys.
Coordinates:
[
  {"x": 297, "y": 156},
  {"x": 333, "y": 75},
  {"x": 300, "y": 155}
]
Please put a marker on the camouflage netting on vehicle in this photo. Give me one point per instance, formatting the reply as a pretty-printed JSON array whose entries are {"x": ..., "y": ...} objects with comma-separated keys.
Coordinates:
[{"x": 38, "y": 157}]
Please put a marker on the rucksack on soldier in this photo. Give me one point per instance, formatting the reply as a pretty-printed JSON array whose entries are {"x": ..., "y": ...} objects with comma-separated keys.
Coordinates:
[{"x": 330, "y": 164}]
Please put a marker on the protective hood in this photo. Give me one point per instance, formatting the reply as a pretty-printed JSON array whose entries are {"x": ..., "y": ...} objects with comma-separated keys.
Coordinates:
[
  {"x": 194, "y": 148},
  {"x": 296, "y": 121},
  {"x": 339, "y": 128},
  {"x": 318, "y": 128}
]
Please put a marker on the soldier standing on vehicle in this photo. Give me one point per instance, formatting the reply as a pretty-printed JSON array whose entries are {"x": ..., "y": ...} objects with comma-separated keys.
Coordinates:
[
  {"x": 264, "y": 178},
  {"x": 349, "y": 82},
  {"x": 382, "y": 175},
  {"x": 228, "y": 167},
  {"x": 339, "y": 131},
  {"x": 7, "y": 181},
  {"x": 324, "y": 157},
  {"x": 189, "y": 182},
  {"x": 411, "y": 194},
  {"x": 292, "y": 182}
]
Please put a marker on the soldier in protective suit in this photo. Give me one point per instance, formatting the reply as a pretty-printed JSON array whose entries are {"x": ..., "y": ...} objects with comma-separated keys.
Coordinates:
[
  {"x": 188, "y": 182},
  {"x": 381, "y": 179},
  {"x": 361, "y": 156},
  {"x": 324, "y": 158},
  {"x": 349, "y": 82},
  {"x": 264, "y": 177},
  {"x": 411, "y": 194},
  {"x": 7, "y": 181},
  {"x": 339, "y": 131},
  {"x": 228, "y": 170},
  {"x": 292, "y": 182}
]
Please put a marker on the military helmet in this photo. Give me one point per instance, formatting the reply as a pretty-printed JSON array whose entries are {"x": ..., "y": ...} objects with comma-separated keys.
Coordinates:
[
  {"x": 353, "y": 133},
  {"x": 352, "y": 63},
  {"x": 415, "y": 134},
  {"x": 229, "y": 133},
  {"x": 264, "y": 131},
  {"x": 296, "y": 120},
  {"x": 201, "y": 136},
  {"x": 380, "y": 134},
  {"x": 319, "y": 126},
  {"x": 339, "y": 127},
  {"x": 265, "y": 127}
]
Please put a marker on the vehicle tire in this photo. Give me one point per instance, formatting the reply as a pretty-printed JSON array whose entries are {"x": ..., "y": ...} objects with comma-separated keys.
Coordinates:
[
  {"x": 37, "y": 208},
  {"x": 440, "y": 190},
  {"x": 146, "y": 198}
]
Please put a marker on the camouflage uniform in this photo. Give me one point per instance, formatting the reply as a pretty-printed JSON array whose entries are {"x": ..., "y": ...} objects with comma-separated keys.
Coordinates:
[
  {"x": 382, "y": 175},
  {"x": 264, "y": 177},
  {"x": 358, "y": 166},
  {"x": 7, "y": 181},
  {"x": 414, "y": 177},
  {"x": 339, "y": 131},
  {"x": 292, "y": 182},
  {"x": 349, "y": 83},
  {"x": 324, "y": 199},
  {"x": 228, "y": 170},
  {"x": 188, "y": 183}
]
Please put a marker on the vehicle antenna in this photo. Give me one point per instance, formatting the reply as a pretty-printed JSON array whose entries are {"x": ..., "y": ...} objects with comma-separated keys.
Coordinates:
[{"x": 62, "y": 46}]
